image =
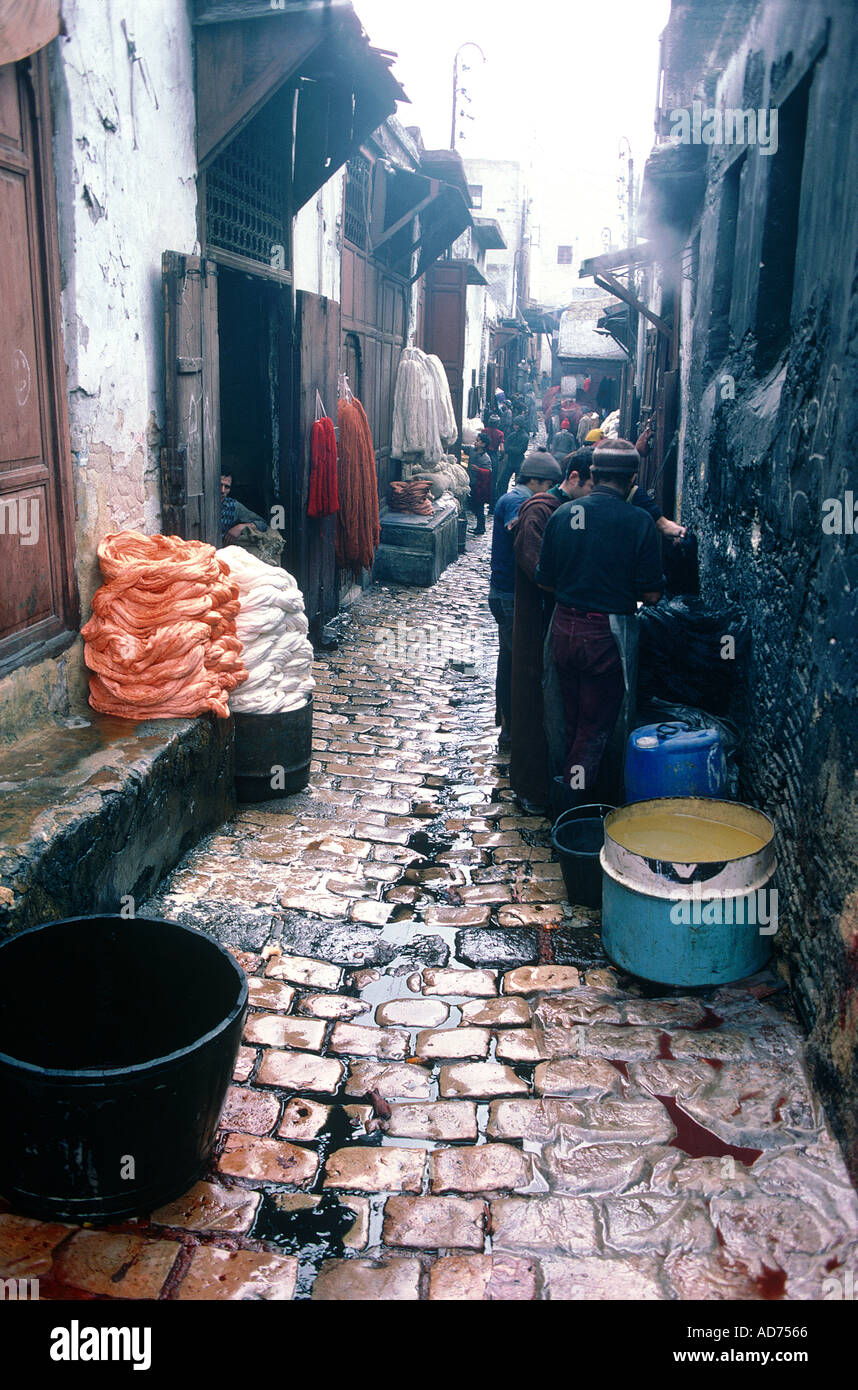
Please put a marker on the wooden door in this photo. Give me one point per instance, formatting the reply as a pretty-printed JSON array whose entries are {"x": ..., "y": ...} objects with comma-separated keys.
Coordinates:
[
  {"x": 38, "y": 594},
  {"x": 317, "y": 339},
  {"x": 444, "y": 331},
  {"x": 190, "y": 457}
]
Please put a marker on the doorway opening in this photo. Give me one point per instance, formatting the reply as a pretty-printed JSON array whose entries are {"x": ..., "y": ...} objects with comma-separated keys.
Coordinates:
[{"x": 254, "y": 318}]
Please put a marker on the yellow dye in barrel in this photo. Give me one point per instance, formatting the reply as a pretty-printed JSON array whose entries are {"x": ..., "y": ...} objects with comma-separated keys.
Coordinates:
[{"x": 684, "y": 839}]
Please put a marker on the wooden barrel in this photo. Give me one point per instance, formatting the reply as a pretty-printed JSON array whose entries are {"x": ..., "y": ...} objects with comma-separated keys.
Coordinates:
[{"x": 272, "y": 753}]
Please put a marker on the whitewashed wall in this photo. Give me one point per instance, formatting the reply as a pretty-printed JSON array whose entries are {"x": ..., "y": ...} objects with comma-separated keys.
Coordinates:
[
  {"x": 317, "y": 241},
  {"x": 126, "y": 191}
]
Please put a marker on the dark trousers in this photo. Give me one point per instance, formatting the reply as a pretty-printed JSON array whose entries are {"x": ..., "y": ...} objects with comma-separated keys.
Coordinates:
[
  {"x": 502, "y": 607},
  {"x": 590, "y": 675},
  {"x": 508, "y": 468},
  {"x": 495, "y": 463}
]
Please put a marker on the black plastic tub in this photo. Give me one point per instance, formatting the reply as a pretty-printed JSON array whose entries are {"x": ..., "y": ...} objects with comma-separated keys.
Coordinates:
[
  {"x": 118, "y": 1040},
  {"x": 578, "y": 836},
  {"x": 272, "y": 753}
]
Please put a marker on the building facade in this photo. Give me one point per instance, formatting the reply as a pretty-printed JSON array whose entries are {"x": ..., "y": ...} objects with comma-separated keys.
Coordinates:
[{"x": 755, "y": 241}]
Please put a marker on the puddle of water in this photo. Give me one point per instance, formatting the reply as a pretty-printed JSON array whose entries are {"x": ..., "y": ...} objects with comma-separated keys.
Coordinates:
[
  {"x": 313, "y": 1233},
  {"x": 699, "y": 1142}
]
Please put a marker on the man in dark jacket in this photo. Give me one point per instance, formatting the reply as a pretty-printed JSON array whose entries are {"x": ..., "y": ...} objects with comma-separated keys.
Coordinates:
[
  {"x": 515, "y": 448},
  {"x": 599, "y": 557},
  {"x": 537, "y": 474},
  {"x": 529, "y": 759}
]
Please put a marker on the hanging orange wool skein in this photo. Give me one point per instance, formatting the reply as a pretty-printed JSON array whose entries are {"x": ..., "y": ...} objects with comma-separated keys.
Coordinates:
[
  {"x": 358, "y": 523},
  {"x": 324, "y": 498}
]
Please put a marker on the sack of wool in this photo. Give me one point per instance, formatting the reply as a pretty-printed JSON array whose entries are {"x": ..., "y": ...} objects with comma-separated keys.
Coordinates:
[{"x": 272, "y": 629}]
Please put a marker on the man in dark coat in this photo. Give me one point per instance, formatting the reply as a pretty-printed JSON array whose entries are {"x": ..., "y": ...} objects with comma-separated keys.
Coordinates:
[
  {"x": 537, "y": 474},
  {"x": 599, "y": 557},
  {"x": 529, "y": 763},
  {"x": 515, "y": 448}
]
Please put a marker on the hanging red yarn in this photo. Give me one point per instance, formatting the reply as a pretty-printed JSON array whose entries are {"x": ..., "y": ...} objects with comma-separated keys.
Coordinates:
[
  {"x": 324, "y": 497},
  {"x": 358, "y": 524}
]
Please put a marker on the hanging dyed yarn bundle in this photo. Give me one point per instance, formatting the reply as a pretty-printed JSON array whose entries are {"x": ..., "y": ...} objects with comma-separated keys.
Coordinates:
[
  {"x": 162, "y": 641},
  {"x": 416, "y": 411},
  {"x": 324, "y": 497},
  {"x": 358, "y": 526},
  {"x": 272, "y": 628},
  {"x": 444, "y": 401}
]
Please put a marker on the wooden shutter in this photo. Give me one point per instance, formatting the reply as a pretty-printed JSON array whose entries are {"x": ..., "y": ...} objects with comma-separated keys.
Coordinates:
[
  {"x": 317, "y": 332},
  {"x": 190, "y": 457},
  {"x": 38, "y": 594},
  {"x": 444, "y": 326}
]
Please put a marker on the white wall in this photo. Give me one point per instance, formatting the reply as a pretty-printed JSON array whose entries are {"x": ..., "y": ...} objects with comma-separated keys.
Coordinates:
[
  {"x": 503, "y": 194},
  {"x": 126, "y": 191},
  {"x": 317, "y": 241}
]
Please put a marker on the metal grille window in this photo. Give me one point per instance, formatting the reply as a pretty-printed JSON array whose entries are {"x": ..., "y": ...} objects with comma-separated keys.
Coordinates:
[
  {"x": 246, "y": 194},
  {"x": 358, "y": 175}
]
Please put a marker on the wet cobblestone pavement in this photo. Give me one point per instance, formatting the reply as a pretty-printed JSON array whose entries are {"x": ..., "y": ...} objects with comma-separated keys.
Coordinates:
[{"x": 445, "y": 1092}]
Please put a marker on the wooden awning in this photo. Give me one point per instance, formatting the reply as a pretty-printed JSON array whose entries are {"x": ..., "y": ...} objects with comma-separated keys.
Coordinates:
[
  {"x": 443, "y": 214},
  {"x": 247, "y": 51}
]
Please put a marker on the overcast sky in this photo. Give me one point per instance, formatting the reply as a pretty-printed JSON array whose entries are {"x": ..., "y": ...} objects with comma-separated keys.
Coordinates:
[{"x": 563, "y": 82}]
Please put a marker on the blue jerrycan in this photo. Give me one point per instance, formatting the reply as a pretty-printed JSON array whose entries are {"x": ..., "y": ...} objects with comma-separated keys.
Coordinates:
[{"x": 674, "y": 760}]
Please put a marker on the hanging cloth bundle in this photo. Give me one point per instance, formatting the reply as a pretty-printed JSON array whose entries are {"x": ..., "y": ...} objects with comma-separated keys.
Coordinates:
[
  {"x": 324, "y": 496},
  {"x": 358, "y": 525}
]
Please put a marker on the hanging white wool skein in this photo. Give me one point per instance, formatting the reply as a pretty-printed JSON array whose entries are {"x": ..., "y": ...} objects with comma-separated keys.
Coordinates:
[
  {"x": 416, "y": 429},
  {"x": 272, "y": 628},
  {"x": 446, "y": 414}
]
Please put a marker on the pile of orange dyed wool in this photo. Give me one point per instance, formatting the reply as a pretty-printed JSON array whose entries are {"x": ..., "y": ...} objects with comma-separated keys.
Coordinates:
[{"x": 161, "y": 640}]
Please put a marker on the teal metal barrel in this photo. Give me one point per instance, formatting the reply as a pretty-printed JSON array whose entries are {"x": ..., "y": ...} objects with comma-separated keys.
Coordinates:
[{"x": 686, "y": 890}]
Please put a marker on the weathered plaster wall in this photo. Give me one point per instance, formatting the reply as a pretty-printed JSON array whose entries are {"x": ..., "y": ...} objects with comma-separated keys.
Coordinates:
[
  {"x": 126, "y": 191},
  {"x": 317, "y": 241},
  {"x": 476, "y": 339},
  {"x": 502, "y": 182},
  {"x": 761, "y": 452}
]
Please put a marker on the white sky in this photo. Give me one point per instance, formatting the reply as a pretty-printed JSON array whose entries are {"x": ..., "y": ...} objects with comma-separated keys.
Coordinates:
[{"x": 563, "y": 82}]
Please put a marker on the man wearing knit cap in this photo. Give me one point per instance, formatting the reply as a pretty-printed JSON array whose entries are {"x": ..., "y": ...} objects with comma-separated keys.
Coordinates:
[
  {"x": 538, "y": 472},
  {"x": 599, "y": 557}
]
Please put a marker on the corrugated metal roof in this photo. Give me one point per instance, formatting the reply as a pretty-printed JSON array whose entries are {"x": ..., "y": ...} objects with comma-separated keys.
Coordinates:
[{"x": 580, "y": 339}]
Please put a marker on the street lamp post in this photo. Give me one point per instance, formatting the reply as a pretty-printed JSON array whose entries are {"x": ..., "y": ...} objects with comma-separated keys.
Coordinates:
[{"x": 468, "y": 44}]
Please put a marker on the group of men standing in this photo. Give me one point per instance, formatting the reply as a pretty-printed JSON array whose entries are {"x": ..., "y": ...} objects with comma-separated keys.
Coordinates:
[{"x": 574, "y": 550}]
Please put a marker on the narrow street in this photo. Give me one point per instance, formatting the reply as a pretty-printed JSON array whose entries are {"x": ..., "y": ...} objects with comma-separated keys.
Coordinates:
[{"x": 445, "y": 1091}]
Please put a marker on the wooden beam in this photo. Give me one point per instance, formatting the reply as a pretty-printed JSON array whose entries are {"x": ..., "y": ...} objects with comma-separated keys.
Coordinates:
[
  {"x": 247, "y": 266},
  {"x": 607, "y": 281}
]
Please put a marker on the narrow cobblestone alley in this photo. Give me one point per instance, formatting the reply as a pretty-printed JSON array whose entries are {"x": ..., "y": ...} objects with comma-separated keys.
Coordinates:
[{"x": 445, "y": 1091}]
